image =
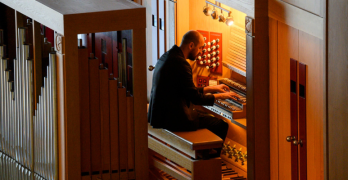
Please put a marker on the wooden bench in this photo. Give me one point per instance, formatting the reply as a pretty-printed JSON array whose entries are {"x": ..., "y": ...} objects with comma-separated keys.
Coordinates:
[{"x": 188, "y": 153}]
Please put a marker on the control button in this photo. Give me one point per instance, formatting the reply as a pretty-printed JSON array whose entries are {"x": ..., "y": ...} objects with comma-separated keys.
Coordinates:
[
  {"x": 204, "y": 50},
  {"x": 204, "y": 44},
  {"x": 208, "y": 55},
  {"x": 209, "y": 49},
  {"x": 199, "y": 57},
  {"x": 204, "y": 38},
  {"x": 217, "y": 40},
  {"x": 217, "y": 46},
  {"x": 213, "y": 59},
  {"x": 201, "y": 62},
  {"x": 213, "y": 42},
  {"x": 217, "y": 58},
  {"x": 213, "y": 54},
  {"x": 204, "y": 56},
  {"x": 208, "y": 43},
  {"x": 217, "y": 52},
  {"x": 208, "y": 61}
]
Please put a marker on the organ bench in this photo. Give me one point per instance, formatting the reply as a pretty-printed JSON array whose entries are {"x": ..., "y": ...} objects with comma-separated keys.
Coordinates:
[{"x": 184, "y": 155}]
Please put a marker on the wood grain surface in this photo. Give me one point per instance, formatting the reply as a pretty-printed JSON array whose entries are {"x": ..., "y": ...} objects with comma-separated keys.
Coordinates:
[
  {"x": 337, "y": 87},
  {"x": 84, "y": 112},
  {"x": 287, "y": 48}
]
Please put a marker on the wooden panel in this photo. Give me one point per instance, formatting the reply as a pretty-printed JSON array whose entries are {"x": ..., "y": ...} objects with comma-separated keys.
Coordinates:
[
  {"x": 207, "y": 169},
  {"x": 273, "y": 96},
  {"x": 122, "y": 116},
  {"x": 311, "y": 54},
  {"x": 170, "y": 153},
  {"x": 296, "y": 17},
  {"x": 126, "y": 19},
  {"x": 182, "y": 19},
  {"x": 161, "y": 38},
  {"x": 199, "y": 139},
  {"x": 61, "y": 117},
  {"x": 293, "y": 91},
  {"x": 106, "y": 56},
  {"x": 105, "y": 122},
  {"x": 258, "y": 98},
  {"x": 94, "y": 106},
  {"x": 337, "y": 97},
  {"x": 151, "y": 55},
  {"x": 71, "y": 108},
  {"x": 160, "y": 164},
  {"x": 302, "y": 121},
  {"x": 130, "y": 136},
  {"x": 179, "y": 143},
  {"x": 287, "y": 48},
  {"x": 114, "y": 143},
  {"x": 313, "y": 6},
  {"x": 85, "y": 116},
  {"x": 91, "y": 43},
  {"x": 114, "y": 54},
  {"x": 139, "y": 93}
]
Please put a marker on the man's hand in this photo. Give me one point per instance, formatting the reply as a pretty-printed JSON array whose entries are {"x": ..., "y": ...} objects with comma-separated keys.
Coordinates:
[
  {"x": 221, "y": 88},
  {"x": 227, "y": 95}
]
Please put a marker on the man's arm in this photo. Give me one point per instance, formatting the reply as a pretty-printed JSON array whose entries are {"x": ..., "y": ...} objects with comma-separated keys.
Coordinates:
[
  {"x": 223, "y": 91},
  {"x": 221, "y": 88}
]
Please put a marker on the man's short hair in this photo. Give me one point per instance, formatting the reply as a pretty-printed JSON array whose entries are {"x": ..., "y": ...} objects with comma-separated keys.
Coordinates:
[{"x": 191, "y": 36}]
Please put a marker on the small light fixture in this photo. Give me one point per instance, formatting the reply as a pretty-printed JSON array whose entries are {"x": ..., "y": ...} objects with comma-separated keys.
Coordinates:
[
  {"x": 222, "y": 17},
  {"x": 214, "y": 14},
  {"x": 207, "y": 10},
  {"x": 229, "y": 19}
]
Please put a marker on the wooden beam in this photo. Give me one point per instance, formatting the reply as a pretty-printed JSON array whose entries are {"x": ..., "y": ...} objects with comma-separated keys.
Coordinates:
[
  {"x": 296, "y": 17},
  {"x": 140, "y": 101},
  {"x": 38, "y": 12}
]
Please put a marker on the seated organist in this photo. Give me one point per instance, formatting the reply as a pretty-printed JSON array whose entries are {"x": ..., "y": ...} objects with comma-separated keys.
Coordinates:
[{"x": 173, "y": 92}]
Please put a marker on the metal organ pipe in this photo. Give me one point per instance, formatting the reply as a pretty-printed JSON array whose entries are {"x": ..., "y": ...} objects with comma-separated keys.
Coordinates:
[{"x": 28, "y": 136}]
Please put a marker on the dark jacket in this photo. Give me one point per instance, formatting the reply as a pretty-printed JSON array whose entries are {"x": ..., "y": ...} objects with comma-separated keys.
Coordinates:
[{"x": 173, "y": 93}]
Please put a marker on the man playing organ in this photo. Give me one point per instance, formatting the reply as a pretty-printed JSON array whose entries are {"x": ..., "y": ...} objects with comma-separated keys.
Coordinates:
[{"x": 173, "y": 92}]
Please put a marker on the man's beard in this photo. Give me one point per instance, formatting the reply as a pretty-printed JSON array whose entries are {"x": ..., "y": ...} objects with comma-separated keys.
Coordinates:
[{"x": 192, "y": 56}]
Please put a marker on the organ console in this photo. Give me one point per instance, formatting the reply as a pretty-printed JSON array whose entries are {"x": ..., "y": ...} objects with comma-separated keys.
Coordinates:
[{"x": 209, "y": 69}]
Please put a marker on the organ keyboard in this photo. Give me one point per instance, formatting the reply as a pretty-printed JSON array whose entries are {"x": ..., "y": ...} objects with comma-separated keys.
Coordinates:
[{"x": 234, "y": 108}]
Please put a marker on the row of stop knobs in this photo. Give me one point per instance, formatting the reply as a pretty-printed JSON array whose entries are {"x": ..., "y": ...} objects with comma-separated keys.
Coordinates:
[
  {"x": 212, "y": 60},
  {"x": 210, "y": 56},
  {"x": 212, "y": 42}
]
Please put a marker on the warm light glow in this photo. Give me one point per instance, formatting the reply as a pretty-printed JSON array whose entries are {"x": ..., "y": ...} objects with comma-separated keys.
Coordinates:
[{"x": 229, "y": 21}]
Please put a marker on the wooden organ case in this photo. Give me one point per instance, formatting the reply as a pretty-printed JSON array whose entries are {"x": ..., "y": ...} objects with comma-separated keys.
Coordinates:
[
  {"x": 237, "y": 56},
  {"x": 73, "y": 90}
]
